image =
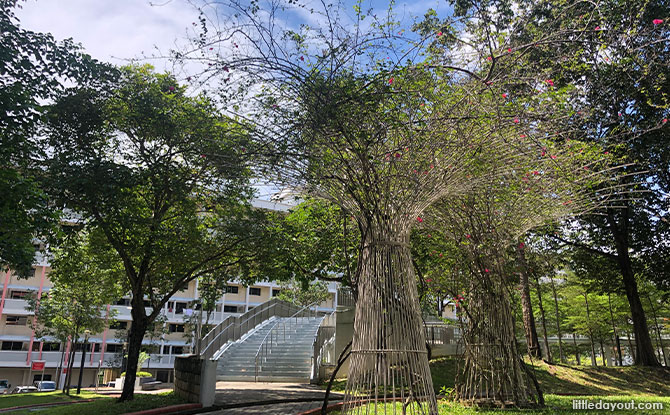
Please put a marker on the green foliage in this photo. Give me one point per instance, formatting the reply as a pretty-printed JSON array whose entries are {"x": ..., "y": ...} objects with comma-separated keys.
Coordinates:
[
  {"x": 139, "y": 374},
  {"x": 83, "y": 286},
  {"x": 304, "y": 293},
  {"x": 33, "y": 69}
]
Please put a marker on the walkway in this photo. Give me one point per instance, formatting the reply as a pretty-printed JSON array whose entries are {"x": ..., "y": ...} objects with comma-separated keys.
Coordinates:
[{"x": 235, "y": 398}]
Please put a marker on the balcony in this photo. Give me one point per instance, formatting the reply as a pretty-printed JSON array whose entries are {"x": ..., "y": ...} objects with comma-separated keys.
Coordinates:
[
  {"x": 15, "y": 307},
  {"x": 19, "y": 359}
]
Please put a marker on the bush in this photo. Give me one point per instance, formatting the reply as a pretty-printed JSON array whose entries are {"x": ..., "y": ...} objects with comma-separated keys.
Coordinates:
[{"x": 139, "y": 374}]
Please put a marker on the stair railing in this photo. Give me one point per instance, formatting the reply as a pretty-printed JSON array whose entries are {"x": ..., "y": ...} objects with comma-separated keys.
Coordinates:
[
  {"x": 234, "y": 327},
  {"x": 323, "y": 339},
  {"x": 265, "y": 348}
]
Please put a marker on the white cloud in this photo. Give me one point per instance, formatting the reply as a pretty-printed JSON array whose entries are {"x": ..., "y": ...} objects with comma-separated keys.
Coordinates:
[{"x": 112, "y": 30}]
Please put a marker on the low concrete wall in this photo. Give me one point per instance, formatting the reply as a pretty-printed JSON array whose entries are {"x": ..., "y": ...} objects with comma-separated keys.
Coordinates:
[{"x": 195, "y": 379}]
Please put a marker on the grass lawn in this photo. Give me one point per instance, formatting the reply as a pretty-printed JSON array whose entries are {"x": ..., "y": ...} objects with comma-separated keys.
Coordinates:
[
  {"x": 106, "y": 405},
  {"x": 555, "y": 405},
  {"x": 7, "y": 401},
  {"x": 558, "y": 382}
]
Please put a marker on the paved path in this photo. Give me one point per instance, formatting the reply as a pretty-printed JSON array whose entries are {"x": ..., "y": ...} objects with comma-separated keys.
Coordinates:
[{"x": 238, "y": 393}]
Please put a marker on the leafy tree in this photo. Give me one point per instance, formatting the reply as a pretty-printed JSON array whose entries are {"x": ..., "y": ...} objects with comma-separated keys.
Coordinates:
[
  {"x": 33, "y": 70},
  {"x": 159, "y": 175},
  {"x": 83, "y": 286},
  {"x": 304, "y": 293}
]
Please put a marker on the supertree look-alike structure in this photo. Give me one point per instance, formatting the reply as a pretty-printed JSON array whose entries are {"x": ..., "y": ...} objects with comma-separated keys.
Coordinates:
[{"x": 385, "y": 121}]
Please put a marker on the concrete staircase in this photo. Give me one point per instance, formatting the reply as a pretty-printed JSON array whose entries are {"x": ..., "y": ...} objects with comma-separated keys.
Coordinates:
[{"x": 289, "y": 360}]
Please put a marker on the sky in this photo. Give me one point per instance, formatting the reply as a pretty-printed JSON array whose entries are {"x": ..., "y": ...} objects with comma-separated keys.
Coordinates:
[
  {"x": 112, "y": 30},
  {"x": 117, "y": 30}
]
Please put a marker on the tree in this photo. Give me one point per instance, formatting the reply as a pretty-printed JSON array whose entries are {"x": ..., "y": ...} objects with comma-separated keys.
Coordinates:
[
  {"x": 83, "y": 286},
  {"x": 304, "y": 293},
  {"x": 621, "y": 68},
  {"x": 33, "y": 70},
  {"x": 383, "y": 124},
  {"x": 159, "y": 175}
]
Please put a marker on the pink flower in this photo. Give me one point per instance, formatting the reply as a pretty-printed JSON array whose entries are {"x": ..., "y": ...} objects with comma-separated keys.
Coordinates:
[
  {"x": 467, "y": 236},
  {"x": 535, "y": 172},
  {"x": 606, "y": 153},
  {"x": 553, "y": 157},
  {"x": 429, "y": 235},
  {"x": 390, "y": 81},
  {"x": 486, "y": 270},
  {"x": 432, "y": 166},
  {"x": 550, "y": 82},
  {"x": 171, "y": 88},
  {"x": 439, "y": 33},
  {"x": 398, "y": 155},
  {"x": 509, "y": 49},
  {"x": 488, "y": 58},
  {"x": 211, "y": 48},
  {"x": 665, "y": 120},
  {"x": 523, "y": 136},
  {"x": 586, "y": 167},
  {"x": 657, "y": 21},
  {"x": 504, "y": 95},
  {"x": 516, "y": 121},
  {"x": 419, "y": 219},
  {"x": 440, "y": 255},
  {"x": 302, "y": 58},
  {"x": 429, "y": 280},
  {"x": 522, "y": 245},
  {"x": 543, "y": 153},
  {"x": 597, "y": 28}
]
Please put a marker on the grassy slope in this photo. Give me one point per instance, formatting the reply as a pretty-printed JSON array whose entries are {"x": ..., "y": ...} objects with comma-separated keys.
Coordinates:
[
  {"x": 102, "y": 406},
  {"x": 570, "y": 380},
  {"x": 578, "y": 380},
  {"x": 7, "y": 401}
]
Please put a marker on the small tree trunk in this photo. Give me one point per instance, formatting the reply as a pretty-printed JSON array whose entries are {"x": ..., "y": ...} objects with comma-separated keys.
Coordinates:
[
  {"x": 60, "y": 366},
  {"x": 544, "y": 319},
  {"x": 558, "y": 321},
  {"x": 137, "y": 330},
  {"x": 588, "y": 325},
  {"x": 532, "y": 341},
  {"x": 602, "y": 352},
  {"x": 68, "y": 376},
  {"x": 630, "y": 346},
  {"x": 658, "y": 331},
  {"x": 616, "y": 334},
  {"x": 574, "y": 341}
]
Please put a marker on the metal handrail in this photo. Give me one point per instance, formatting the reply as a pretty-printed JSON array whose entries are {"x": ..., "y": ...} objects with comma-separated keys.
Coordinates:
[
  {"x": 234, "y": 327},
  {"x": 316, "y": 354},
  {"x": 273, "y": 330}
]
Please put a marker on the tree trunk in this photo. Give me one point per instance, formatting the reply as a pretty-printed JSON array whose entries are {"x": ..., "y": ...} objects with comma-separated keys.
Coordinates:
[
  {"x": 558, "y": 322},
  {"x": 532, "y": 341},
  {"x": 602, "y": 352},
  {"x": 68, "y": 376},
  {"x": 630, "y": 346},
  {"x": 658, "y": 331},
  {"x": 137, "y": 330},
  {"x": 616, "y": 334},
  {"x": 644, "y": 348},
  {"x": 544, "y": 318},
  {"x": 588, "y": 325},
  {"x": 60, "y": 366},
  {"x": 574, "y": 341},
  {"x": 388, "y": 353}
]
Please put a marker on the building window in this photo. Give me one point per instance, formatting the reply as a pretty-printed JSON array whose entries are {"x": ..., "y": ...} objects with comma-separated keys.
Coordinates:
[
  {"x": 179, "y": 308},
  {"x": 275, "y": 292},
  {"x": 176, "y": 328},
  {"x": 12, "y": 345},
  {"x": 177, "y": 349},
  {"x": 230, "y": 309},
  {"x": 17, "y": 320},
  {"x": 38, "y": 377},
  {"x": 114, "y": 348},
  {"x": 51, "y": 347},
  {"x": 254, "y": 291},
  {"x": 119, "y": 325},
  {"x": 232, "y": 289},
  {"x": 19, "y": 295},
  {"x": 123, "y": 301}
]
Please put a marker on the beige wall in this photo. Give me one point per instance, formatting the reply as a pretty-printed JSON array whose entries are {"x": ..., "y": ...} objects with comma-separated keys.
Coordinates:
[
  {"x": 266, "y": 292},
  {"x": 240, "y": 296}
]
